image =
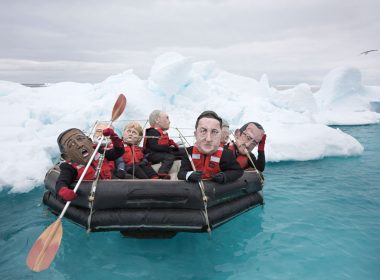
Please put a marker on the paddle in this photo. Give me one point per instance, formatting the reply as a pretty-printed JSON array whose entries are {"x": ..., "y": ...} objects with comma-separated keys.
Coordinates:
[{"x": 46, "y": 246}]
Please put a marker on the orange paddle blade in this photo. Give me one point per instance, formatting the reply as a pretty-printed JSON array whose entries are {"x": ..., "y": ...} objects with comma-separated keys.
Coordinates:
[
  {"x": 119, "y": 107},
  {"x": 45, "y": 248}
]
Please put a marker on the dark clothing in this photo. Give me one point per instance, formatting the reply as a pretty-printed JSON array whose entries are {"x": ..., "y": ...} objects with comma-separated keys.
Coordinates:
[
  {"x": 142, "y": 171},
  {"x": 152, "y": 142},
  {"x": 68, "y": 173},
  {"x": 228, "y": 165},
  {"x": 259, "y": 162},
  {"x": 166, "y": 160},
  {"x": 157, "y": 153},
  {"x": 134, "y": 162}
]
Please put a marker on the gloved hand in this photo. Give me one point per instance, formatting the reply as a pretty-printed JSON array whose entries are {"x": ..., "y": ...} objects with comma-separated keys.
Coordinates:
[
  {"x": 174, "y": 144},
  {"x": 195, "y": 176},
  {"x": 262, "y": 143},
  {"x": 219, "y": 177},
  {"x": 116, "y": 141},
  {"x": 67, "y": 194},
  {"x": 172, "y": 149}
]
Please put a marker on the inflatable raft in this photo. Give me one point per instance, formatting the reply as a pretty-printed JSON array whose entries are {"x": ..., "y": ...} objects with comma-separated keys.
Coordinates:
[{"x": 143, "y": 206}]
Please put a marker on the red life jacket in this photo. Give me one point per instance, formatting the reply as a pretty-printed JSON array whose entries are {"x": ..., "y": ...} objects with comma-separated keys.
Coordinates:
[
  {"x": 111, "y": 164},
  {"x": 128, "y": 155},
  {"x": 105, "y": 171},
  {"x": 163, "y": 140},
  {"x": 241, "y": 159},
  {"x": 209, "y": 164}
]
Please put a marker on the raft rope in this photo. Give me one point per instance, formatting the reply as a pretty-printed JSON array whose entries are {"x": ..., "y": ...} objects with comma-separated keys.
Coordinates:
[
  {"x": 158, "y": 137},
  {"x": 133, "y": 162},
  {"x": 200, "y": 184},
  {"x": 91, "y": 197},
  {"x": 249, "y": 157},
  {"x": 254, "y": 166},
  {"x": 146, "y": 122}
]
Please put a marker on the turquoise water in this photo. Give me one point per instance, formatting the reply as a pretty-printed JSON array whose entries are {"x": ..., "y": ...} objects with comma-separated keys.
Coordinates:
[{"x": 320, "y": 221}]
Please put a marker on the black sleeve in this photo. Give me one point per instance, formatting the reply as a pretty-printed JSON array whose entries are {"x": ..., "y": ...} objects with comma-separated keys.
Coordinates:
[
  {"x": 66, "y": 176},
  {"x": 259, "y": 162},
  {"x": 229, "y": 166},
  {"x": 114, "y": 153},
  {"x": 185, "y": 165},
  {"x": 152, "y": 143}
]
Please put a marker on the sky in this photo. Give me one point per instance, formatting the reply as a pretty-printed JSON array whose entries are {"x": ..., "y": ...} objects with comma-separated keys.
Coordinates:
[{"x": 87, "y": 41}]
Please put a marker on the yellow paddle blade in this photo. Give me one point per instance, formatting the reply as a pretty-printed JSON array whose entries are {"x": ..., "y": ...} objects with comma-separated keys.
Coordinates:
[
  {"x": 45, "y": 248},
  {"x": 119, "y": 107}
]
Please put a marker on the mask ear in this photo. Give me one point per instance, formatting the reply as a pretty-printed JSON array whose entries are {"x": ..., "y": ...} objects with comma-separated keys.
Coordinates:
[
  {"x": 237, "y": 133},
  {"x": 64, "y": 156}
]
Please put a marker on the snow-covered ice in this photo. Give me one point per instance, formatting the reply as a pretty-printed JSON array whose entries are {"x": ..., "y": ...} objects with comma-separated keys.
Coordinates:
[{"x": 296, "y": 120}]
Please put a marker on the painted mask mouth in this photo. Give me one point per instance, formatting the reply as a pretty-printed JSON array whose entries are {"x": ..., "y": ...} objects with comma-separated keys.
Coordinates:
[{"x": 84, "y": 153}]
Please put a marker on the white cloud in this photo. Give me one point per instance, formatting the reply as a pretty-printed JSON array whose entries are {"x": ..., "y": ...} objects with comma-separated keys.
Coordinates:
[{"x": 292, "y": 41}]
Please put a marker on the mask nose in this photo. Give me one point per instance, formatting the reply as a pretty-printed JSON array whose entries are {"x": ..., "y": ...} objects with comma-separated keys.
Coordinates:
[{"x": 208, "y": 137}]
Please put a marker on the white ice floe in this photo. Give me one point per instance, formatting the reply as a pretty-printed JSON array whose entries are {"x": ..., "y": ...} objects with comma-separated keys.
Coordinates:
[{"x": 295, "y": 120}]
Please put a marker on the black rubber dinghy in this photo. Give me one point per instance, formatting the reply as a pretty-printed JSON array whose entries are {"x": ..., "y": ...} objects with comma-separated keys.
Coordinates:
[{"x": 156, "y": 208}]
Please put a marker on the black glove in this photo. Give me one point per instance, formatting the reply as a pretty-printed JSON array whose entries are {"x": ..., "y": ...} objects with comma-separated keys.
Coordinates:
[
  {"x": 173, "y": 149},
  {"x": 219, "y": 177},
  {"x": 195, "y": 176}
]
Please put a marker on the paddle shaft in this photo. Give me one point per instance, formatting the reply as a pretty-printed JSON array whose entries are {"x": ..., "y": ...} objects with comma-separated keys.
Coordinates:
[
  {"x": 82, "y": 176},
  {"x": 117, "y": 110},
  {"x": 46, "y": 246}
]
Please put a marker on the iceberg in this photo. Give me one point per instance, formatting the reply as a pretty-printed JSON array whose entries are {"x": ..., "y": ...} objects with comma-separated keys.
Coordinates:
[{"x": 296, "y": 120}]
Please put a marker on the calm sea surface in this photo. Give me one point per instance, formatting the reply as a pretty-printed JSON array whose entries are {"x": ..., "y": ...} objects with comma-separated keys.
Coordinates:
[{"x": 320, "y": 221}]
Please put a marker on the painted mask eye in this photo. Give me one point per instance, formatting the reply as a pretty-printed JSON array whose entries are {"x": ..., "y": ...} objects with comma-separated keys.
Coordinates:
[
  {"x": 71, "y": 144},
  {"x": 203, "y": 131},
  {"x": 249, "y": 138},
  {"x": 214, "y": 133},
  {"x": 133, "y": 132},
  {"x": 80, "y": 138}
]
